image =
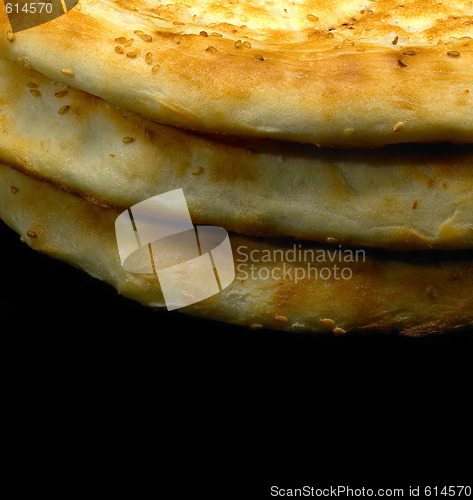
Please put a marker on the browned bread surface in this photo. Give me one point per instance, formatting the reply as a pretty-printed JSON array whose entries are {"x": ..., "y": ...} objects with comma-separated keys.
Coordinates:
[
  {"x": 383, "y": 293},
  {"x": 333, "y": 73},
  {"x": 401, "y": 197}
]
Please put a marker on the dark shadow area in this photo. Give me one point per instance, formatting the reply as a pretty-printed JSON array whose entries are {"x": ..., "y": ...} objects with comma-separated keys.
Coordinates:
[{"x": 232, "y": 410}]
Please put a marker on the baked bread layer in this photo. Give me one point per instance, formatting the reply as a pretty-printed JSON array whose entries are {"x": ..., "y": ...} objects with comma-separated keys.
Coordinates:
[
  {"x": 385, "y": 291},
  {"x": 399, "y": 197},
  {"x": 338, "y": 73}
]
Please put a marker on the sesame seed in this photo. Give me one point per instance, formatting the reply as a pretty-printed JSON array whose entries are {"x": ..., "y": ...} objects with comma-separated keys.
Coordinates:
[
  {"x": 256, "y": 326},
  {"x": 399, "y": 126},
  {"x": 119, "y": 49},
  {"x": 349, "y": 131},
  {"x": 132, "y": 55},
  {"x": 67, "y": 72},
  {"x": 409, "y": 53},
  {"x": 259, "y": 57},
  {"x": 32, "y": 85},
  {"x": 280, "y": 319},
  {"x": 238, "y": 44},
  {"x": 149, "y": 58},
  {"x": 147, "y": 38},
  {"x": 219, "y": 35},
  {"x": 14, "y": 189},
  {"x": 128, "y": 140},
  {"x": 31, "y": 234},
  {"x": 63, "y": 110},
  {"x": 122, "y": 40},
  {"x": 415, "y": 204},
  {"x": 203, "y": 33},
  {"x": 61, "y": 93},
  {"x": 247, "y": 45},
  {"x": 155, "y": 68},
  {"x": 10, "y": 36},
  {"x": 401, "y": 64},
  {"x": 35, "y": 93},
  {"x": 129, "y": 42},
  {"x": 228, "y": 15},
  {"x": 138, "y": 32},
  {"x": 453, "y": 53},
  {"x": 339, "y": 331},
  {"x": 312, "y": 18},
  {"x": 211, "y": 49},
  {"x": 396, "y": 39},
  {"x": 329, "y": 323}
]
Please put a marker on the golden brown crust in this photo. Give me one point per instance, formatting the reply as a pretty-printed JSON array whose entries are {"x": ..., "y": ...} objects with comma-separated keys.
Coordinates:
[
  {"x": 400, "y": 197},
  {"x": 336, "y": 81},
  {"x": 385, "y": 292}
]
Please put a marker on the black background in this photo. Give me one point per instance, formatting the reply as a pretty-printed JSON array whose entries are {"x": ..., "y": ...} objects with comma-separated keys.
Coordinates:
[{"x": 202, "y": 406}]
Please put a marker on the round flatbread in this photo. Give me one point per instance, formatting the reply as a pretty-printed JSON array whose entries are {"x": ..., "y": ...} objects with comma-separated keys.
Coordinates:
[
  {"x": 339, "y": 73},
  {"x": 377, "y": 291},
  {"x": 402, "y": 197}
]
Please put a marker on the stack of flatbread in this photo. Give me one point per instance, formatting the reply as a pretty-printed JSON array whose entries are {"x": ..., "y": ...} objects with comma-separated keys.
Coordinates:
[{"x": 334, "y": 131}]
